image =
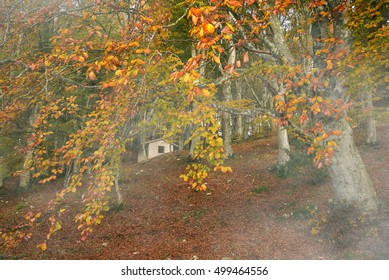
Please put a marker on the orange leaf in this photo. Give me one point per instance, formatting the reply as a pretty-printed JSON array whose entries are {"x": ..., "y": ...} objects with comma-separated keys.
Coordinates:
[
  {"x": 234, "y": 3},
  {"x": 245, "y": 57},
  {"x": 196, "y": 12},
  {"x": 190, "y": 97},
  {"x": 92, "y": 75}
]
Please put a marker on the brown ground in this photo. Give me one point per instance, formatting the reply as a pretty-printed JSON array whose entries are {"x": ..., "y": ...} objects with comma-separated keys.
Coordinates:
[{"x": 250, "y": 214}]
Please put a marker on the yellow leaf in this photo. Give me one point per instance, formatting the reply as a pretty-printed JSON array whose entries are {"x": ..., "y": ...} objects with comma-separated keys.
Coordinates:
[
  {"x": 215, "y": 58},
  {"x": 133, "y": 44},
  {"x": 230, "y": 27},
  {"x": 331, "y": 144},
  {"x": 186, "y": 78},
  {"x": 209, "y": 28},
  {"x": 206, "y": 93},
  {"x": 42, "y": 246},
  {"x": 57, "y": 226}
]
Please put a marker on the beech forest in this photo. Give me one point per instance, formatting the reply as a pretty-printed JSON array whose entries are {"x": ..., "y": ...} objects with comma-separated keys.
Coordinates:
[{"x": 185, "y": 129}]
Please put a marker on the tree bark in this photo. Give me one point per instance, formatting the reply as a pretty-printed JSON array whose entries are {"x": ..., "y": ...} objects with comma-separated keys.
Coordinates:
[
  {"x": 226, "y": 117},
  {"x": 239, "y": 128},
  {"x": 371, "y": 129},
  {"x": 196, "y": 139},
  {"x": 283, "y": 146},
  {"x": 226, "y": 122},
  {"x": 351, "y": 182},
  {"x": 2, "y": 172},
  {"x": 25, "y": 175},
  {"x": 117, "y": 188}
]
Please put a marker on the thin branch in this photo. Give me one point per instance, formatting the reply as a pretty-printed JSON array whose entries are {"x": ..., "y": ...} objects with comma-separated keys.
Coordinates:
[
  {"x": 240, "y": 112},
  {"x": 178, "y": 20}
]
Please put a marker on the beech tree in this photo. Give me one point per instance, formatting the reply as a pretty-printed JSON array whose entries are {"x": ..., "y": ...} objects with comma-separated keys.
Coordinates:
[
  {"x": 107, "y": 73},
  {"x": 307, "y": 44}
]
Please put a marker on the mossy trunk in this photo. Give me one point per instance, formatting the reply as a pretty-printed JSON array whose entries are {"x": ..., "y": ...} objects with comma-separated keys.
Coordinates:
[
  {"x": 25, "y": 175},
  {"x": 2, "y": 172},
  {"x": 351, "y": 182}
]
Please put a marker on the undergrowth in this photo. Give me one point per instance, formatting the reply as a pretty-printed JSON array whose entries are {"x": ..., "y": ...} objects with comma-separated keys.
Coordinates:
[{"x": 300, "y": 163}]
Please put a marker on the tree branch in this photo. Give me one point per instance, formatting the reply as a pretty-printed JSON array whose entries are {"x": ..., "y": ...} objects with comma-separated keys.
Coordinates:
[{"x": 240, "y": 112}]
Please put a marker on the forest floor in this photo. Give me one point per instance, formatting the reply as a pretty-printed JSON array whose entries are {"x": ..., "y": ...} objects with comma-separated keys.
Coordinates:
[{"x": 252, "y": 213}]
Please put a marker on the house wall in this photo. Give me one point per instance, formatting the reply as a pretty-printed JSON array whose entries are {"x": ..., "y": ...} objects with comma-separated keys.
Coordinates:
[{"x": 153, "y": 148}]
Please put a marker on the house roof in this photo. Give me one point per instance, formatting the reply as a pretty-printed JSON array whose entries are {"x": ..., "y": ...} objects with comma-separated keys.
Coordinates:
[{"x": 160, "y": 139}]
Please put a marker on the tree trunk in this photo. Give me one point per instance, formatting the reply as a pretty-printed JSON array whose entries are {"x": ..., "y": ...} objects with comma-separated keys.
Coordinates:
[
  {"x": 2, "y": 172},
  {"x": 117, "y": 188},
  {"x": 25, "y": 175},
  {"x": 181, "y": 142},
  {"x": 246, "y": 128},
  {"x": 226, "y": 123},
  {"x": 371, "y": 129},
  {"x": 226, "y": 117},
  {"x": 193, "y": 144},
  {"x": 239, "y": 126},
  {"x": 351, "y": 182},
  {"x": 196, "y": 139},
  {"x": 283, "y": 146}
]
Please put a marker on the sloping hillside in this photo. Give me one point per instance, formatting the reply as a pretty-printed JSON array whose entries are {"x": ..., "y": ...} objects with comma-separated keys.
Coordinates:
[{"x": 253, "y": 213}]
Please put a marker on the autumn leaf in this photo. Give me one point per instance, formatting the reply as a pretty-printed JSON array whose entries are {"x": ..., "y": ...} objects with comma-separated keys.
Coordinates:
[
  {"x": 42, "y": 246},
  {"x": 245, "y": 57},
  {"x": 215, "y": 58},
  {"x": 208, "y": 28},
  {"x": 92, "y": 75},
  {"x": 195, "y": 11}
]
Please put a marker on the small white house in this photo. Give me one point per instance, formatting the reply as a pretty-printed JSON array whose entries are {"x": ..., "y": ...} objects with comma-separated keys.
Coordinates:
[{"x": 155, "y": 148}]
